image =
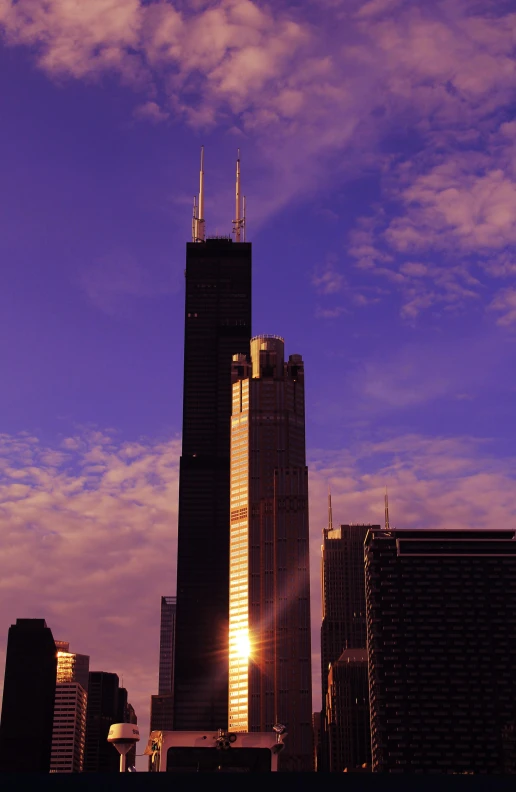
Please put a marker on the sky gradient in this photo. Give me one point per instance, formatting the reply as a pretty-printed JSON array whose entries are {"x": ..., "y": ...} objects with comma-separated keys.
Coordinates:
[{"x": 378, "y": 146}]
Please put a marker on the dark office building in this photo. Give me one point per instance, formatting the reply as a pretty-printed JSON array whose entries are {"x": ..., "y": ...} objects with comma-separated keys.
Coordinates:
[
  {"x": 441, "y": 621},
  {"x": 166, "y": 645},
  {"x": 217, "y": 326},
  {"x": 28, "y": 699},
  {"x": 162, "y": 705},
  {"x": 347, "y": 712},
  {"x": 107, "y": 704},
  {"x": 344, "y": 616}
]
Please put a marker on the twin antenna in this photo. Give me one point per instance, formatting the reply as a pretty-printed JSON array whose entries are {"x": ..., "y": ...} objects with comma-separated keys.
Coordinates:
[{"x": 198, "y": 223}]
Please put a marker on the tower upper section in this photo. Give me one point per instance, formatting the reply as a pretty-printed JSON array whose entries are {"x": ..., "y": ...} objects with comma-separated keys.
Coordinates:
[{"x": 198, "y": 222}]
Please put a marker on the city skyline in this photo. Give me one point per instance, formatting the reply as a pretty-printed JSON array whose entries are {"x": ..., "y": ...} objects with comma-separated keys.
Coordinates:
[{"x": 378, "y": 166}]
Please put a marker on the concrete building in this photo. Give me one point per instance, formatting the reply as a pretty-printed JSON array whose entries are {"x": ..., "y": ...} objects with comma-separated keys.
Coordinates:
[
  {"x": 69, "y": 730},
  {"x": 29, "y": 690},
  {"x": 269, "y": 621},
  {"x": 441, "y": 623}
]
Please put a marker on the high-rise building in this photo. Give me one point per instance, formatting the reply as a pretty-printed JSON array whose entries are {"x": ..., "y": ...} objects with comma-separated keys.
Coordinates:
[
  {"x": 28, "y": 698},
  {"x": 343, "y": 627},
  {"x": 107, "y": 704},
  {"x": 441, "y": 623},
  {"x": 69, "y": 731},
  {"x": 162, "y": 705},
  {"x": 347, "y": 712},
  {"x": 166, "y": 645},
  {"x": 269, "y": 622},
  {"x": 217, "y": 326}
]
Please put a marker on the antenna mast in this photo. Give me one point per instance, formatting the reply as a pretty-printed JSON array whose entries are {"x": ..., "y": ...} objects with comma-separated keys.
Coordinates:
[
  {"x": 387, "y": 525},
  {"x": 330, "y": 512},
  {"x": 239, "y": 221},
  {"x": 195, "y": 220},
  {"x": 198, "y": 233}
]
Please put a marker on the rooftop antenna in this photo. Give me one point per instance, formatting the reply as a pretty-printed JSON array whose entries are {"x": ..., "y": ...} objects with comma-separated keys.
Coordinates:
[
  {"x": 198, "y": 216},
  {"x": 387, "y": 525},
  {"x": 195, "y": 220},
  {"x": 330, "y": 512},
  {"x": 239, "y": 221}
]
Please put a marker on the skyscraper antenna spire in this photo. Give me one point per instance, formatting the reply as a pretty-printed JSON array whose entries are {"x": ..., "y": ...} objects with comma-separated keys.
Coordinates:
[
  {"x": 387, "y": 524},
  {"x": 330, "y": 512},
  {"x": 198, "y": 233},
  {"x": 239, "y": 221},
  {"x": 201, "y": 233}
]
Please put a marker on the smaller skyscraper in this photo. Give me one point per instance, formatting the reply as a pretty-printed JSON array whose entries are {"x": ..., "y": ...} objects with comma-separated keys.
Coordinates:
[
  {"x": 347, "y": 712},
  {"x": 343, "y": 628},
  {"x": 441, "y": 624},
  {"x": 107, "y": 704},
  {"x": 69, "y": 732},
  {"x": 28, "y": 699},
  {"x": 162, "y": 705},
  {"x": 269, "y": 616}
]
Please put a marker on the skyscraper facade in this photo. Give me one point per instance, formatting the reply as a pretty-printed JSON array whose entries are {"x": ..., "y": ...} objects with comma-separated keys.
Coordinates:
[
  {"x": 441, "y": 622},
  {"x": 347, "y": 712},
  {"x": 28, "y": 698},
  {"x": 269, "y": 634},
  {"x": 166, "y": 645},
  {"x": 69, "y": 731},
  {"x": 107, "y": 704},
  {"x": 162, "y": 705},
  {"x": 343, "y": 627},
  {"x": 217, "y": 326}
]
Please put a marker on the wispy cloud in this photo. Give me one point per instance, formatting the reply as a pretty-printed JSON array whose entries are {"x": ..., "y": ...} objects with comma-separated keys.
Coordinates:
[
  {"x": 504, "y": 304},
  {"x": 445, "y": 69},
  {"x": 88, "y": 533}
]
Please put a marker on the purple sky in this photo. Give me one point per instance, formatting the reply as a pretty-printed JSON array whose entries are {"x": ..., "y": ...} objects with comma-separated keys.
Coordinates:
[{"x": 379, "y": 164}]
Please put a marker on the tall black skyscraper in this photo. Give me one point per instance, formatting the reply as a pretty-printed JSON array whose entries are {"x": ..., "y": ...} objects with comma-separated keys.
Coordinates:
[
  {"x": 217, "y": 326},
  {"x": 28, "y": 701},
  {"x": 441, "y": 624}
]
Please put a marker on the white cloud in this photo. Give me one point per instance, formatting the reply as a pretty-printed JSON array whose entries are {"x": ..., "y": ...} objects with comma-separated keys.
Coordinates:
[{"x": 150, "y": 111}]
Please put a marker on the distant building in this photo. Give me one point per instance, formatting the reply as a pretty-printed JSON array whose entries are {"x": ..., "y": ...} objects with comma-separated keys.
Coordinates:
[
  {"x": 347, "y": 712},
  {"x": 343, "y": 628},
  {"x": 69, "y": 731},
  {"x": 441, "y": 615},
  {"x": 107, "y": 704},
  {"x": 269, "y": 616},
  {"x": 28, "y": 698},
  {"x": 162, "y": 705},
  {"x": 128, "y": 715}
]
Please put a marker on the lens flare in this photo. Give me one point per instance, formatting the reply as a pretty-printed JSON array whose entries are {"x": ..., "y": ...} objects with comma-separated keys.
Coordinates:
[{"x": 242, "y": 643}]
